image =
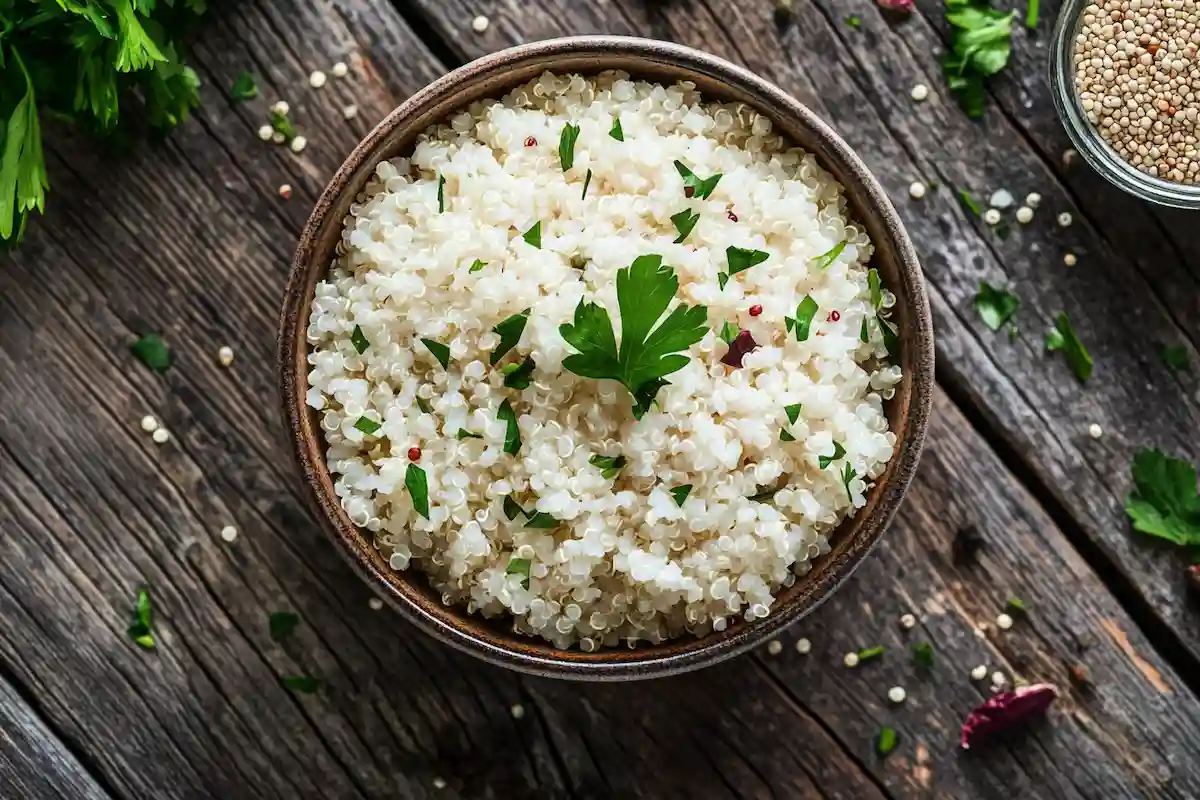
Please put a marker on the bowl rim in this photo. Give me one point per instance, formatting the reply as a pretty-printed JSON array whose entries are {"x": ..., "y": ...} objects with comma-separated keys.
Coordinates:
[{"x": 644, "y": 661}]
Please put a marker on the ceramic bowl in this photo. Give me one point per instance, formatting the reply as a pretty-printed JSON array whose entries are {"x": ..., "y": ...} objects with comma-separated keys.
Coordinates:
[{"x": 491, "y": 76}]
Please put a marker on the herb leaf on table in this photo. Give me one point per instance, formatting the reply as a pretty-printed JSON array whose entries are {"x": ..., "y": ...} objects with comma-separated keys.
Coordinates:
[
  {"x": 995, "y": 306},
  {"x": 1164, "y": 501},
  {"x": 981, "y": 41},
  {"x": 1062, "y": 337}
]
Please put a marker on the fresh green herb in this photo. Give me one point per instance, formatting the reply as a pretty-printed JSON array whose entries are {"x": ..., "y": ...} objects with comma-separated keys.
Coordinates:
[
  {"x": 152, "y": 351},
  {"x": 864, "y": 330},
  {"x": 519, "y": 566},
  {"x": 728, "y": 332},
  {"x": 463, "y": 433},
  {"x": 244, "y": 87},
  {"x": 923, "y": 655},
  {"x": 765, "y": 494},
  {"x": 283, "y": 126},
  {"x": 616, "y": 132},
  {"x": 510, "y": 331},
  {"x": 870, "y": 653},
  {"x": 587, "y": 180},
  {"x": 1176, "y": 357},
  {"x": 875, "y": 288},
  {"x": 981, "y": 40},
  {"x": 651, "y": 347},
  {"x": 359, "y": 340},
  {"x": 693, "y": 185},
  {"x": 477, "y": 265},
  {"x": 304, "y": 684},
  {"x": 140, "y": 629},
  {"x": 418, "y": 489},
  {"x": 785, "y": 435},
  {"x": 680, "y": 494},
  {"x": 1017, "y": 605},
  {"x": 1062, "y": 337},
  {"x": 969, "y": 202},
  {"x": 891, "y": 340},
  {"x": 848, "y": 474},
  {"x": 81, "y": 62},
  {"x": 824, "y": 260},
  {"x": 423, "y": 404},
  {"x": 566, "y": 146},
  {"x": 281, "y": 624},
  {"x": 684, "y": 222},
  {"x": 440, "y": 351},
  {"x": 512, "y": 434},
  {"x": 1013, "y": 331},
  {"x": 540, "y": 519},
  {"x": 793, "y": 412},
  {"x": 1002, "y": 230},
  {"x": 740, "y": 260},
  {"x": 885, "y": 741},
  {"x": 854, "y": 21},
  {"x": 722, "y": 279},
  {"x": 533, "y": 236},
  {"x": 512, "y": 509},
  {"x": 1164, "y": 501},
  {"x": 1031, "y": 14},
  {"x": 802, "y": 323},
  {"x": 441, "y": 194},
  {"x": 520, "y": 377},
  {"x": 995, "y": 306},
  {"x": 509, "y": 369},
  {"x": 368, "y": 426},
  {"x": 838, "y": 452},
  {"x": 609, "y": 466}
]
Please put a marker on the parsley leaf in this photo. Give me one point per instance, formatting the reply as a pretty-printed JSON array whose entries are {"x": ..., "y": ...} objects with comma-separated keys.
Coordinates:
[
  {"x": 870, "y": 653},
  {"x": 440, "y": 351},
  {"x": 305, "y": 684},
  {"x": 359, "y": 340},
  {"x": 520, "y": 377},
  {"x": 680, "y": 493},
  {"x": 995, "y": 306},
  {"x": 463, "y": 433},
  {"x": 848, "y": 474},
  {"x": 740, "y": 260},
  {"x": 519, "y": 566},
  {"x": 510, "y": 331},
  {"x": 512, "y": 434},
  {"x": 684, "y": 222},
  {"x": 533, "y": 236},
  {"x": 885, "y": 741},
  {"x": 693, "y": 185},
  {"x": 244, "y": 87},
  {"x": 540, "y": 519},
  {"x": 875, "y": 287},
  {"x": 441, "y": 194},
  {"x": 424, "y": 405},
  {"x": 609, "y": 466},
  {"x": 824, "y": 260},
  {"x": 1031, "y": 14},
  {"x": 838, "y": 452},
  {"x": 1164, "y": 501},
  {"x": 283, "y": 126},
  {"x": 923, "y": 655},
  {"x": 368, "y": 426},
  {"x": 512, "y": 509},
  {"x": 587, "y": 181},
  {"x": 650, "y": 346},
  {"x": 802, "y": 323},
  {"x": 281, "y": 624},
  {"x": 566, "y": 146},
  {"x": 418, "y": 488},
  {"x": 969, "y": 202},
  {"x": 1062, "y": 337},
  {"x": 152, "y": 351},
  {"x": 477, "y": 265},
  {"x": 1017, "y": 605},
  {"x": 785, "y": 435},
  {"x": 854, "y": 21},
  {"x": 1176, "y": 357},
  {"x": 728, "y": 332},
  {"x": 980, "y": 46},
  {"x": 616, "y": 132},
  {"x": 139, "y": 629},
  {"x": 793, "y": 412}
]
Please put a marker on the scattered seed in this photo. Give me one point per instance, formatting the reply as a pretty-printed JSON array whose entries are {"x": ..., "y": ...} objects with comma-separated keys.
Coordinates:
[
  {"x": 774, "y": 647},
  {"x": 229, "y": 533},
  {"x": 1095, "y": 431},
  {"x": 316, "y": 79},
  {"x": 350, "y": 111},
  {"x": 149, "y": 424},
  {"x": 991, "y": 216},
  {"x": 375, "y": 604},
  {"x": 1069, "y": 259},
  {"x": 908, "y": 622},
  {"x": 851, "y": 660},
  {"x": 1033, "y": 199},
  {"x": 439, "y": 783},
  {"x": 979, "y": 673},
  {"x": 340, "y": 69},
  {"x": 1004, "y": 622},
  {"x": 517, "y": 710},
  {"x": 281, "y": 108},
  {"x": 1064, "y": 219},
  {"x": 1024, "y": 215},
  {"x": 299, "y": 143},
  {"x": 1068, "y": 157},
  {"x": 285, "y": 191},
  {"x": 916, "y": 190},
  {"x": 278, "y": 138},
  {"x": 225, "y": 355},
  {"x": 266, "y": 132},
  {"x": 981, "y": 632},
  {"x": 998, "y": 679},
  {"x": 803, "y": 646},
  {"x": 897, "y": 694},
  {"x": 919, "y": 92},
  {"x": 1001, "y": 198},
  {"x": 479, "y": 24},
  {"x": 160, "y": 436}
]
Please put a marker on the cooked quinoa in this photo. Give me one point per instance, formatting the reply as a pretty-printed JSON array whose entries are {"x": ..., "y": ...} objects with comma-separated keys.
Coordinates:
[{"x": 585, "y": 533}]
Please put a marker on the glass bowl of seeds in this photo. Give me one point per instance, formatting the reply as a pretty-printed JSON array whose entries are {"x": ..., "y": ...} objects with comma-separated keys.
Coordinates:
[{"x": 1125, "y": 78}]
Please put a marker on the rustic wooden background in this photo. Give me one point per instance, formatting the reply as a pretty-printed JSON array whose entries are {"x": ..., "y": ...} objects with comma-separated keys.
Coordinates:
[{"x": 191, "y": 238}]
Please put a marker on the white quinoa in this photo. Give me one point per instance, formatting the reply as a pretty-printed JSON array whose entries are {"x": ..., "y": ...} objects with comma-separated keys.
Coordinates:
[{"x": 625, "y": 563}]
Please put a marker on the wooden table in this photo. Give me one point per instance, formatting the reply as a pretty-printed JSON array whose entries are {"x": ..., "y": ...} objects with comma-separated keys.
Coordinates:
[{"x": 193, "y": 239}]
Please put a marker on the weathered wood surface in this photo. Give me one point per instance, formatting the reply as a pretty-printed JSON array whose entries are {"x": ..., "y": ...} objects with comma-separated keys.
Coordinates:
[{"x": 191, "y": 238}]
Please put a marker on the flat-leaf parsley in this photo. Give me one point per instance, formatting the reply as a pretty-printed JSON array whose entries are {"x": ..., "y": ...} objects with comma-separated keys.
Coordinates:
[{"x": 1164, "y": 501}]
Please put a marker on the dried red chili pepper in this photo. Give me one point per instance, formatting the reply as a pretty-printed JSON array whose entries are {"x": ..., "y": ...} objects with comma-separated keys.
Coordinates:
[
  {"x": 1007, "y": 710},
  {"x": 742, "y": 344}
]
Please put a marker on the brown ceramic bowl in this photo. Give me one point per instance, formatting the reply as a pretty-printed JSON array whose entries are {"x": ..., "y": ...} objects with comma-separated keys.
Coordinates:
[{"x": 491, "y": 76}]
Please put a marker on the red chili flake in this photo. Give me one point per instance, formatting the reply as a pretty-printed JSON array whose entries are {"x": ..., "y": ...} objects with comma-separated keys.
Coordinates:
[
  {"x": 732, "y": 216},
  {"x": 755, "y": 310},
  {"x": 531, "y": 142},
  {"x": 688, "y": 191},
  {"x": 742, "y": 344},
  {"x": 1006, "y": 710},
  {"x": 414, "y": 454},
  {"x": 903, "y": 6},
  {"x": 835, "y": 316}
]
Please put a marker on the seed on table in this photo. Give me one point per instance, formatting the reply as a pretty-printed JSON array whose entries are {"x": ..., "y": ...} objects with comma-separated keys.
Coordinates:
[
  {"x": 803, "y": 646},
  {"x": 225, "y": 355},
  {"x": 979, "y": 673},
  {"x": 908, "y": 621},
  {"x": 375, "y": 604},
  {"x": 517, "y": 711},
  {"x": 1024, "y": 215},
  {"x": 339, "y": 69},
  {"x": 281, "y": 108},
  {"x": 1001, "y": 199},
  {"x": 897, "y": 694},
  {"x": 1095, "y": 431},
  {"x": 916, "y": 190},
  {"x": 850, "y": 660},
  {"x": 229, "y": 533},
  {"x": 439, "y": 783},
  {"x": 298, "y": 144},
  {"x": 149, "y": 424},
  {"x": 991, "y": 216},
  {"x": 160, "y": 436},
  {"x": 285, "y": 191},
  {"x": 479, "y": 24},
  {"x": 998, "y": 679},
  {"x": 316, "y": 79},
  {"x": 919, "y": 92},
  {"x": 774, "y": 647},
  {"x": 1004, "y": 622},
  {"x": 350, "y": 111},
  {"x": 278, "y": 138},
  {"x": 1069, "y": 259},
  {"x": 1033, "y": 199},
  {"x": 266, "y": 132},
  {"x": 1064, "y": 219}
]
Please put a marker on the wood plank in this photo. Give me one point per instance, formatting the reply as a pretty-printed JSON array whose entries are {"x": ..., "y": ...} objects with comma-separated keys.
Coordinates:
[
  {"x": 859, "y": 80},
  {"x": 34, "y": 763}
]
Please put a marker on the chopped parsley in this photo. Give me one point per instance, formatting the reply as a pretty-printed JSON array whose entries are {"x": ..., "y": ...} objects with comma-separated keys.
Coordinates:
[
  {"x": 244, "y": 87},
  {"x": 510, "y": 331},
  {"x": 728, "y": 332},
  {"x": 512, "y": 434},
  {"x": 477, "y": 265},
  {"x": 609, "y": 466},
  {"x": 441, "y": 194},
  {"x": 802, "y": 323},
  {"x": 765, "y": 494},
  {"x": 885, "y": 741},
  {"x": 981, "y": 40},
  {"x": 281, "y": 624},
  {"x": 1031, "y": 14},
  {"x": 368, "y": 426},
  {"x": 722, "y": 279},
  {"x": 785, "y": 435},
  {"x": 824, "y": 260},
  {"x": 533, "y": 236},
  {"x": 923, "y": 655},
  {"x": 587, "y": 180},
  {"x": 1164, "y": 501},
  {"x": 423, "y": 404},
  {"x": 512, "y": 509},
  {"x": 651, "y": 346},
  {"x": 693, "y": 185},
  {"x": 848, "y": 474},
  {"x": 359, "y": 340},
  {"x": 519, "y": 566},
  {"x": 870, "y": 653},
  {"x": 740, "y": 260},
  {"x": 520, "y": 377},
  {"x": 1016, "y": 605},
  {"x": 566, "y": 146},
  {"x": 152, "y": 351},
  {"x": 680, "y": 493},
  {"x": 684, "y": 222},
  {"x": 875, "y": 288},
  {"x": 1062, "y": 337},
  {"x": 969, "y": 202},
  {"x": 615, "y": 131},
  {"x": 418, "y": 488},
  {"x": 838, "y": 452},
  {"x": 440, "y": 351},
  {"x": 283, "y": 126},
  {"x": 854, "y": 20},
  {"x": 304, "y": 684},
  {"x": 540, "y": 519},
  {"x": 995, "y": 306},
  {"x": 139, "y": 629},
  {"x": 1176, "y": 357},
  {"x": 463, "y": 433},
  {"x": 864, "y": 330},
  {"x": 793, "y": 412}
]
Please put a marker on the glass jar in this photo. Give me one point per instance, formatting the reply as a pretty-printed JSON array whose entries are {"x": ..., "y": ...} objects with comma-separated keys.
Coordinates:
[{"x": 1083, "y": 133}]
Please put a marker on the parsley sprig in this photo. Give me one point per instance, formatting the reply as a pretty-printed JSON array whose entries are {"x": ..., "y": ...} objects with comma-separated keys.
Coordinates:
[
  {"x": 1164, "y": 501},
  {"x": 650, "y": 346},
  {"x": 980, "y": 46}
]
